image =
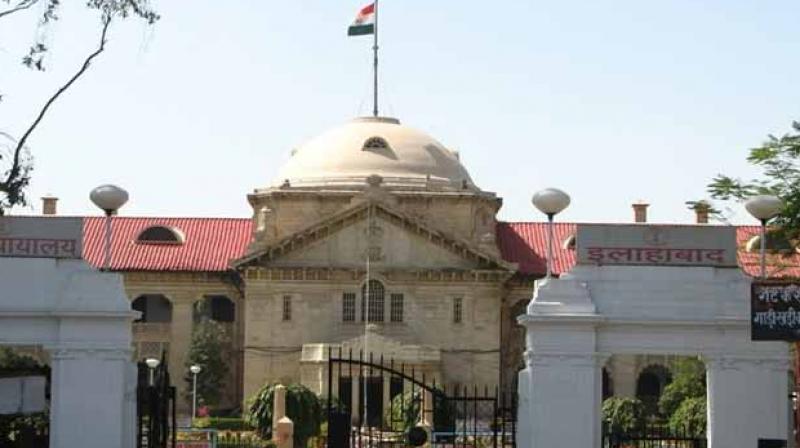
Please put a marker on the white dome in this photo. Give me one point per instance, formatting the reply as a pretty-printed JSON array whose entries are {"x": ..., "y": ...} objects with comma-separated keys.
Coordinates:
[{"x": 402, "y": 156}]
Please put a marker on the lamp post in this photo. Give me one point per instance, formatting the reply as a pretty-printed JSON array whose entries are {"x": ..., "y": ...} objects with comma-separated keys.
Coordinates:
[
  {"x": 763, "y": 208},
  {"x": 152, "y": 363},
  {"x": 550, "y": 201},
  {"x": 195, "y": 369},
  {"x": 108, "y": 198}
]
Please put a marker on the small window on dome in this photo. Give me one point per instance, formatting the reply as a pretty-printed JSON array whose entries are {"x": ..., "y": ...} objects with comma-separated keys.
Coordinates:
[
  {"x": 160, "y": 235},
  {"x": 375, "y": 143}
]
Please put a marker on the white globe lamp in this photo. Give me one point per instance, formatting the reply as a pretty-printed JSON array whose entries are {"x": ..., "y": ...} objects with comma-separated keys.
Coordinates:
[
  {"x": 763, "y": 207},
  {"x": 550, "y": 201},
  {"x": 108, "y": 198}
]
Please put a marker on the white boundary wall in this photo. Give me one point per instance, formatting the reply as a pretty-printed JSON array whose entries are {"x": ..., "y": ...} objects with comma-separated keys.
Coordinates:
[
  {"x": 82, "y": 318},
  {"x": 576, "y": 322}
]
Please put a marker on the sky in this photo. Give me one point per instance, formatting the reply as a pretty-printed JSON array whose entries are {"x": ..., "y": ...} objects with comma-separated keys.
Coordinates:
[{"x": 614, "y": 102}]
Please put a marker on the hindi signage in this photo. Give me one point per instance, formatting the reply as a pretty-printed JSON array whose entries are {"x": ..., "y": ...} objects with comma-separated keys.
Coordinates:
[
  {"x": 45, "y": 237},
  {"x": 665, "y": 245},
  {"x": 775, "y": 311}
]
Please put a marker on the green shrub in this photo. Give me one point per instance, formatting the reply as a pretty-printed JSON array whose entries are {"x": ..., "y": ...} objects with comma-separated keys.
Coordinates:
[
  {"x": 303, "y": 407},
  {"x": 690, "y": 417},
  {"x": 404, "y": 412},
  {"x": 623, "y": 414},
  {"x": 222, "y": 423}
]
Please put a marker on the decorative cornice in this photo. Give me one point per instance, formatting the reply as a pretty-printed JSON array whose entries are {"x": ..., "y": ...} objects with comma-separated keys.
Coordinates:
[
  {"x": 175, "y": 276},
  {"x": 739, "y": 363},
  {"x": 90, "y": 352},
  {"x": 565, "y": 359},
  {"x": 310, "y": 274}
]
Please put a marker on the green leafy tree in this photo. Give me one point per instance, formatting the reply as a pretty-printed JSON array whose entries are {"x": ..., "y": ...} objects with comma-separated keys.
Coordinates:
[
  {"x": 16, "y": 162},
  {"x": 623, "y": 414},
  {"x": 303, "y": 407},
  {"x": 209, "y": 345},
  {"x": 690, "y": 417},
  {"x": 779, "y": 158},
  {"x": 689, "y": 381}
]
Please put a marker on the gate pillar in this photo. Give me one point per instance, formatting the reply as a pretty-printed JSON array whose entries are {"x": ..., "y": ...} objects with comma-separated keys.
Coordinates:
[
  {"x": 88, "y": 396},
  {"x": 560, "y": 389},
  {"x": 747, "y": 399}
]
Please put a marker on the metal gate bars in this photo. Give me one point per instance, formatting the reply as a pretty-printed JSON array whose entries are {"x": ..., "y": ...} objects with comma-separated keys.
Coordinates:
[
  {"x": 155, "y": 405},
  {"x": 374, "y": 402}
]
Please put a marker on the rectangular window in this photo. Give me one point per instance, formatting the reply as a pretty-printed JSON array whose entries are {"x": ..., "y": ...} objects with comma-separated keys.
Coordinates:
[
  {"x": 458, "y": 310},
  {"x": 396, "y": 308},
  {"x": 287, "y": 308},
  {"x": 349, "y": 307}
]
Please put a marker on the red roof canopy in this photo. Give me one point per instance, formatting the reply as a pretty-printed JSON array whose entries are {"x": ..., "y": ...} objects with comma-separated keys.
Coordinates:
[
  {"x": 208, "y": 245},
  {"x": 211, "y": 243}
]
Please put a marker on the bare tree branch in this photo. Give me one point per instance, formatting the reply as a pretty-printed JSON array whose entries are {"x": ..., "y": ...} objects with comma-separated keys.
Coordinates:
[
  {"x": 16, "y": 167},
  {"x": 24, "y": 4}
]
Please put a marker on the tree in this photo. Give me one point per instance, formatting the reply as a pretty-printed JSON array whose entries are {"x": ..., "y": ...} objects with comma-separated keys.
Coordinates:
[
  {"x": 779, "y": 157},
  {"x": 623, "y": 414},
  {"x": 303, "y": 407},
  {"x": 16, "y": 162},
  {"x": 690, "y": 417},
  {"x": 688, "y": 386},
  {"x": 210, "y": 342}
]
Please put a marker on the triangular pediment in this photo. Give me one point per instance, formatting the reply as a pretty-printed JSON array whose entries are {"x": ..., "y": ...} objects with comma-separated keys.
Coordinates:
[{"x": 392, "y": 240}]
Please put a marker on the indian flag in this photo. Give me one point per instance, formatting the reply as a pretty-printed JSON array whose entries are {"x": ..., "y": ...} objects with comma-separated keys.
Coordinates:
[{"x": 364, "y": 23}]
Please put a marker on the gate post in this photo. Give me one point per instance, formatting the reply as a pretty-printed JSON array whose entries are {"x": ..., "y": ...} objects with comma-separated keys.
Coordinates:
[
  {"x": 560, "y": 389},
  {"x": 746, "y": 399},
  {"x": 88, "y": 398}
]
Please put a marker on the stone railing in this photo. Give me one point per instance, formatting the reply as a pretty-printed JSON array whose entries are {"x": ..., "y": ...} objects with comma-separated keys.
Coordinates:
[{"x": 147, "y": 331}]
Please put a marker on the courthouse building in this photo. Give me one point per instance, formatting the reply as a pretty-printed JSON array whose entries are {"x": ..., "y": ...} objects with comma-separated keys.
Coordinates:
[{"x": 371, "y": 222}]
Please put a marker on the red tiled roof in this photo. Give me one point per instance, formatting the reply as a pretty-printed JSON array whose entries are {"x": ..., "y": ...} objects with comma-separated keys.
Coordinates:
[
  {"x": 209, "y": 243},
  {"x": 525, "y": 243},
  {"x": 778, "y": 265}
]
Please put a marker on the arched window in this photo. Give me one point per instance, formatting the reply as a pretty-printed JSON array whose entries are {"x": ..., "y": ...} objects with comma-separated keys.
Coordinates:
[
  {"x": 375, "y": 143},
  {"x": 160, "y": 235},
  {"x": 652, "y": 382},
  {"x": 155, "y": 308},
  {"x": 776, "y": 243},
  {"x": 372, "y": 294},
  {"x": 608, "y": 385},
  {"x": 216, "y": 308}
]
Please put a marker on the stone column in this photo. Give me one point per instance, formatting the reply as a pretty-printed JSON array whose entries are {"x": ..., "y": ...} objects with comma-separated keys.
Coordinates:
[
  {"x": 87, "y": 405},
  {"x": 562, "y": 396},
  {"x": 560, "y": 390},
  {"x": 624, "y": 375},
  {"x": 180, "y": 341},
  {"x": 355, "y": 392},
  {"x": 746, "y": 400}
]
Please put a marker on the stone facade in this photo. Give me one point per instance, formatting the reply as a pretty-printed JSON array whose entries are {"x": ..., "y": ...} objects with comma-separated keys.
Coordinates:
[{"x": 427, "y": 250}]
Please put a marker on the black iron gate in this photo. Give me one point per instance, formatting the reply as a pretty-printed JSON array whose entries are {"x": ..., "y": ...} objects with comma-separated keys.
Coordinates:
[
  {"x": 155, "y": 407},
  {"x": 652, "y": 435},
  {"x": 381, "y": 403}
]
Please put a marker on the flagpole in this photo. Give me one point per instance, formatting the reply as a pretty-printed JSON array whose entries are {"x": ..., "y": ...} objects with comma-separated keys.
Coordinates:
[{"x": 375, "y": 66}]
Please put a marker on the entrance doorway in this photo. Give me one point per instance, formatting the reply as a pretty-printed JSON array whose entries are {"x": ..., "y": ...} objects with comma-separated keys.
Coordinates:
[{"x": 374, "y": 397}]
